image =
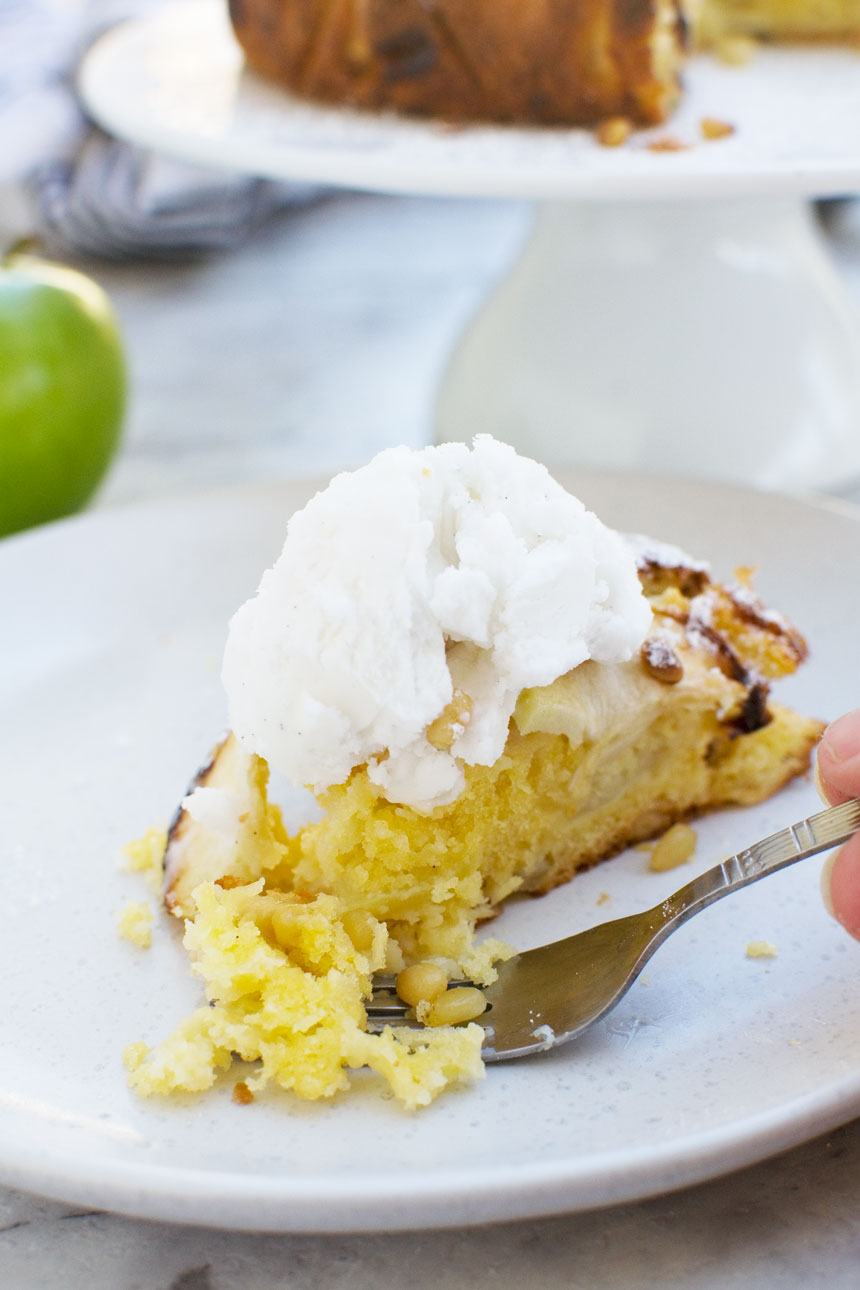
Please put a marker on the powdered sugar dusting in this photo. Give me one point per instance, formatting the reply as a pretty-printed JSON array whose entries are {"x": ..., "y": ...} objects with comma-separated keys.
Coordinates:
[
  {"x": 747, "y": 598},
  {"x": 665, "y": 555}
]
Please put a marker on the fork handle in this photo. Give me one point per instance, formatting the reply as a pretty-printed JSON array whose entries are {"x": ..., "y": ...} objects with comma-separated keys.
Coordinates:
[{"x": 829, "y": 828}]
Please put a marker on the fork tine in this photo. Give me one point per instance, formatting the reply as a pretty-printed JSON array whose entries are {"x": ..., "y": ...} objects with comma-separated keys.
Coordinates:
[
  {"x": 376, "y": 1025},
  {"x": 386, "y": 1008},
  {"x": 385, "y": 1001},
  {"x": 551, "y": 994}
]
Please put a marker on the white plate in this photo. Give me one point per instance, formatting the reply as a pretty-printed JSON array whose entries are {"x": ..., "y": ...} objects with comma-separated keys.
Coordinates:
[
  {"x": 174, "y": 80},
  {"x": 109, "y": 695}
]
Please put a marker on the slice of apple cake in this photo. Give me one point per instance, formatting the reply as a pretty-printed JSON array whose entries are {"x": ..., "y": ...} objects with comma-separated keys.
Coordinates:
[{"x": 488, "y": 691}]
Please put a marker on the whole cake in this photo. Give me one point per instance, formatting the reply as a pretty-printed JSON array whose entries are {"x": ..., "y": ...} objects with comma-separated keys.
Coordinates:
[
  {"x": 542, "y": 61},
  {"x": 575, "y": 62},
  {"x": 487, "y": 690}
]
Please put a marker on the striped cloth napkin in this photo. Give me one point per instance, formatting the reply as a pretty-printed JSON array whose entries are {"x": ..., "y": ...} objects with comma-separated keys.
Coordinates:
[{"x": 89, "y": 192}]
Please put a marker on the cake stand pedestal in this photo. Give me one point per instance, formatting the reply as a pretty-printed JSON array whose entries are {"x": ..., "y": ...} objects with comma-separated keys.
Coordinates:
[
  {"x": 672, "y": 310},
  {"x": 706, "y": 338}
]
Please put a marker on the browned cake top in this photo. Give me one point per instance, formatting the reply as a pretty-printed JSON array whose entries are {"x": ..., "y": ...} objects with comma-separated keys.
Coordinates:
[{"x": 563, "y": 61}]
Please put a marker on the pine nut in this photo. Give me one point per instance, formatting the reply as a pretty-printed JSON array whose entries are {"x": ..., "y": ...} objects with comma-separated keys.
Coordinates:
[
  {"x": 660, "y": 660},
  {"x": 421, "y": 983},
  {"x": 614, "y": 131},
  {"x": 463, "y": 1003},
  {"x": 451, "y": 721},
  {"x": 674, "y": 848}
]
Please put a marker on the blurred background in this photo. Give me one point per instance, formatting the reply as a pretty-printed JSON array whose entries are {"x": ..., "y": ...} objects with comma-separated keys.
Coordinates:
[
  {"x": 275, "y": 329},
  {"x": 271, "y": 328}
]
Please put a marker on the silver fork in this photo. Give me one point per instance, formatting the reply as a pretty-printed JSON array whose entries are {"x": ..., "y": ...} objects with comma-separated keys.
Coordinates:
[{"x": 549, "y": 995}]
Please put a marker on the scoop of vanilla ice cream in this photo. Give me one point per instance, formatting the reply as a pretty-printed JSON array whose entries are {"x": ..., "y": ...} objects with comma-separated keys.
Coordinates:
[{"x": 421, "y": 574}]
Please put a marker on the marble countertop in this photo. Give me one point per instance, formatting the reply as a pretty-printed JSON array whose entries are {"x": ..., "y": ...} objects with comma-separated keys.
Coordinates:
[
  {"x": 790, "y": 1224},
  {"x": 339, "y": 321},
  {"x": 319, "y": 342}
]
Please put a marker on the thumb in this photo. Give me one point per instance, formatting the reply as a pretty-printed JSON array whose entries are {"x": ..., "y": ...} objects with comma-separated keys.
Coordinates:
[
  {"x": 840, "y": 886},
  {"x": 837, "y": 767},
  {"x": 837, "y": 777}
]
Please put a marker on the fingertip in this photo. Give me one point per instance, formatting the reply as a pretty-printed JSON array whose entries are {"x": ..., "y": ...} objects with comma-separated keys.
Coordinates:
[
  {"x": 840, "y": 882},
  {"x": 841, "y": 740},
  {"x": 836, "y": 771}
]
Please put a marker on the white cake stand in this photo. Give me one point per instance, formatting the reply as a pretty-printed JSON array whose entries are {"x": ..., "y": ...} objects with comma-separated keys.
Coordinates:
[{"x": 640, "y": 327}]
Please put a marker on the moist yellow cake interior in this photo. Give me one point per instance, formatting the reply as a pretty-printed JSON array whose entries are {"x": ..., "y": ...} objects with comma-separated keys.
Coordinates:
[{"x": 293, "y": 1001}]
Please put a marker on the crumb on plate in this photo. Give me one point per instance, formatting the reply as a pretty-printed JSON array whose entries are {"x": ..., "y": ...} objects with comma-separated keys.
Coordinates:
[
  {"x": 134, "y": 923},
  {"x": 713, "y": 128},
  {"x": 146, "y": 855},
  {"x": 133, "y": 1055},
  {"x": 668, "y": 143},
  {"x": 761, "y": 950}
]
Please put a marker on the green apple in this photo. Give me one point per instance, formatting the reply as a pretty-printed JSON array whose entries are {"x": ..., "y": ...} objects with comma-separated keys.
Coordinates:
[{"x": 62, "y": 390}]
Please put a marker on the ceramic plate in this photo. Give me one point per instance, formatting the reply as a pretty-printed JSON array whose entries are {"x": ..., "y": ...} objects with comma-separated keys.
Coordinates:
[
  {"x": 175, "y": 81},
  {"x": 109, "y": 698}
]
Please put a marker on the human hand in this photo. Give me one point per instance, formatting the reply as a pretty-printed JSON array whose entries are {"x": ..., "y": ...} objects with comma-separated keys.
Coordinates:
[{"x": 837, "y": 778}]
